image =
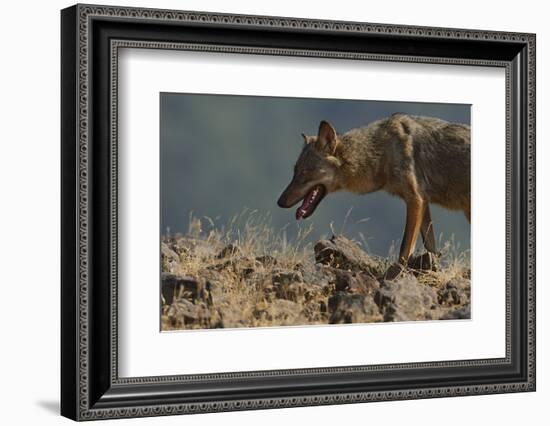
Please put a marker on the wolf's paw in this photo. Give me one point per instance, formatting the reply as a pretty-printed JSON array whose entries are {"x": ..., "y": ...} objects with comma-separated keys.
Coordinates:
[
  {"x": 424, "y": 262},
  {"x": 394, "y": 271}
]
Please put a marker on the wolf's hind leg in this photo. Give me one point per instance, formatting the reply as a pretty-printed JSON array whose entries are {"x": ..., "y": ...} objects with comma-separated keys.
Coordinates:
[
  {"x": 415, "y": 210},
  {"x": 427, "y": 231}
]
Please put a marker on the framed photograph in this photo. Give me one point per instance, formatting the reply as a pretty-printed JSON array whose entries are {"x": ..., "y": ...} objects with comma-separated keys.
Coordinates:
[{"x": 263, "y": 212}]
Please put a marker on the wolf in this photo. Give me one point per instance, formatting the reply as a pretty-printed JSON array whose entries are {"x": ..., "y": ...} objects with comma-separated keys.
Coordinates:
[{"x": 420, "y": 159}]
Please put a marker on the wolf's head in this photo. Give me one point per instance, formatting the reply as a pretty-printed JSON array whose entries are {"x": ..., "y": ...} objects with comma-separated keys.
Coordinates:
[{"x": 315, "y": 172}]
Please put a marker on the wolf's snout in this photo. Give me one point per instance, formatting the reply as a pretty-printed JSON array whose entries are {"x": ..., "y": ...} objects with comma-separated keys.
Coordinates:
[
  {"x": 283, "y": 201},
  {"x": 288, "y": 197}
]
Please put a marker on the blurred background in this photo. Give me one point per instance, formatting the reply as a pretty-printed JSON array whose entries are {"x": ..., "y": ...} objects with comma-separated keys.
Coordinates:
[{"x": 222, "y": 154}]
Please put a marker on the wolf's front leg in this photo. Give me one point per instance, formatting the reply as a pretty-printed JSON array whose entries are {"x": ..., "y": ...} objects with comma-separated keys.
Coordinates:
[{"x": 415, "y": 212}]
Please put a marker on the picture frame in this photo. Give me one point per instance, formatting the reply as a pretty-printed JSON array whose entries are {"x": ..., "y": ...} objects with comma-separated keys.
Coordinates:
[{"x": 91, "y": 37}]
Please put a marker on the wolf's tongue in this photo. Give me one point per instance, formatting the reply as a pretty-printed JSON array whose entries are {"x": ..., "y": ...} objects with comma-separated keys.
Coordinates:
[
  {"x": 301, "y": 212},
  {"x": 305, "y": 208}
]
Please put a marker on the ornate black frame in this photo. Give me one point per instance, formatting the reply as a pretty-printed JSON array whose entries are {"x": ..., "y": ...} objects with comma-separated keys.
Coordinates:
[{"x": 91, "y": 37}]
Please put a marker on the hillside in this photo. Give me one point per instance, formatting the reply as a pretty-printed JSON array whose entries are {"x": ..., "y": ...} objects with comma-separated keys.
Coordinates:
[{"x": 210, "y": 283}]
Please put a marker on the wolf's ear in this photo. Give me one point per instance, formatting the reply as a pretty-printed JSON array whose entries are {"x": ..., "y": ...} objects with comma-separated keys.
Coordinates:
[
  {"x": 308, "y": 139},
  {"x": 327, "y": 139}
]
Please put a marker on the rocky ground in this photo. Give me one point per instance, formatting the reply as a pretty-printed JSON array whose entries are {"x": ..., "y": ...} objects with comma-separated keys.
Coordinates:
[{"x": 207, "y": 284}]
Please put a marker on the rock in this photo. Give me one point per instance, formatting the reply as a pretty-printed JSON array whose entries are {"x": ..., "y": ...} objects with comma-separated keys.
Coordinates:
[
  {"x": 314, "y": 313},
  {"x": 187, "y": 313},
  {"x": 263, "y": 283},
  {"x": 394, "y": 270},
  {"x": 295, "y": 292},
  {"x": 286, "y": 277},
  {"x": 298, "y": 266},
  {"x": 229, "y": 316},
  {"x": 416, "y": 264},
  {"x": 288, "y": 285},
  {"x": 187, "y": 309},
  {"x": 168, "y": 253},
  {"x": 424, "y": 262},
  {"x": 218, "y": 267},
  {"x": 208, "y": 274},
  {"x": 230, "y": 250},
  {"x": 318, "y": 275},
  {"x": 355, "y": 282},
  {"x": 169, "y": 258},
  {"x": 341, "y": 253},
  {"x": 195, "y": 246},
  {"x": 460, "y": 312},
  {"x": 283, "y": 311},
  {"x": 405, "y": 299},
  {"x": 247, "y": 271},
  {"x": 226, "y": 288},
  {"x": 213, "y": 293},
  {"x": 315, "y": 292},
  {"x": 175, "y": 287},
  {"x": 347, "y": 308},
  {"x": 455, "y": 292},
  {"x": 241, "y": 266},
  {"x": 180, "y": 250}
]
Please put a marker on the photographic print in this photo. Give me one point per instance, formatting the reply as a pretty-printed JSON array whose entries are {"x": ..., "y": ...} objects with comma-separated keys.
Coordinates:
[
  {"x": 260, "y": 183},
  {"x": 296, "y": 211}
]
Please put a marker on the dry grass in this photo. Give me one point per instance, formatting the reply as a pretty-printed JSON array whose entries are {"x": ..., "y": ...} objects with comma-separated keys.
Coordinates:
[
  {"x": 251, "y": 232},
  {"x": 455, "y": 263},
  {"x": 244, "y": 286},
  {"x": 241, "y": 295}
]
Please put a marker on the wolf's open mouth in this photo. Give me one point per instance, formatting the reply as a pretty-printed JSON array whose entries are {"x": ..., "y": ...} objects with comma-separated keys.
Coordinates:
[{"x": 310, "y": 202}]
